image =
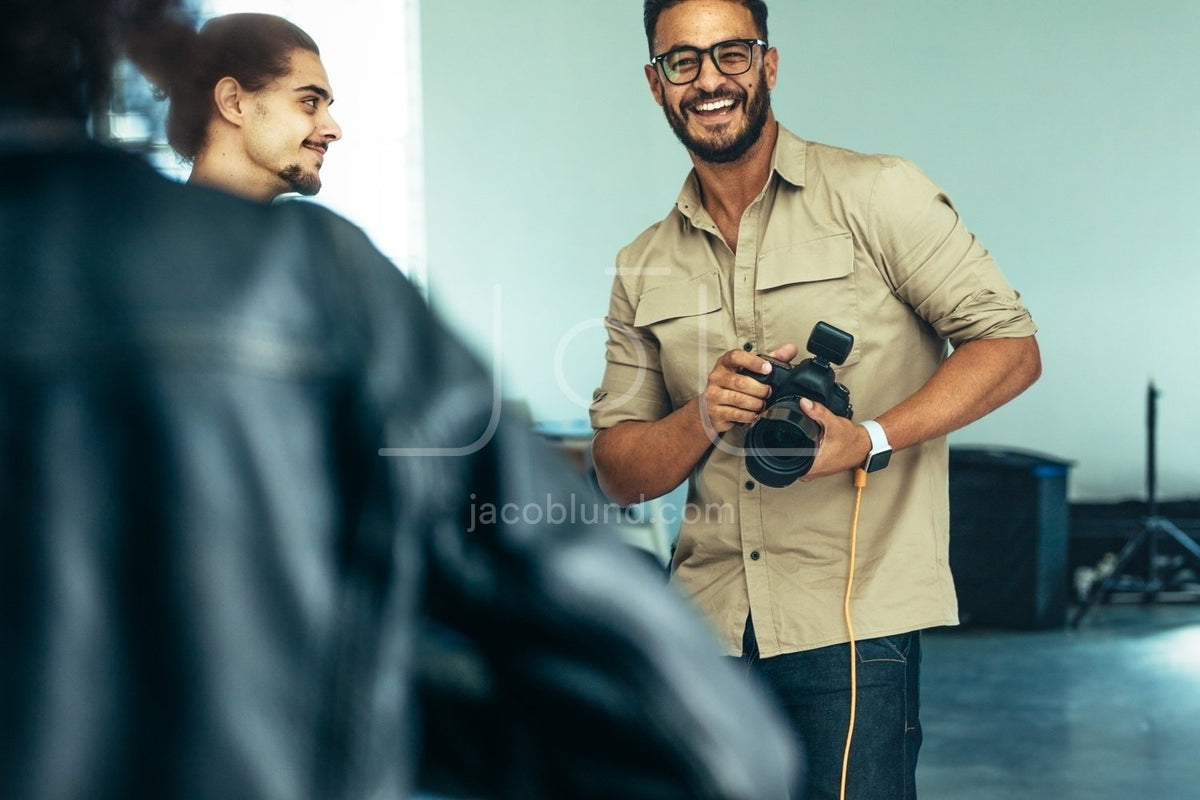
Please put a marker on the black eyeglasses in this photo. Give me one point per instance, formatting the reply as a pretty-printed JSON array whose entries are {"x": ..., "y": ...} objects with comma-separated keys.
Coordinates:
[{"x": 682, "y": 65}]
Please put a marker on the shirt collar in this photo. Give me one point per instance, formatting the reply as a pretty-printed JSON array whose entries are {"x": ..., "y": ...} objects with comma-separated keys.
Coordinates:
[{"x": 787, "y": 161}]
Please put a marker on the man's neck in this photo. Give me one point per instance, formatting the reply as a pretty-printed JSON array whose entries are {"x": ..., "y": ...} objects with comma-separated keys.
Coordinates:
[
  {"x": 727, "y": 190},
  {"x": 220, "y": 171}
]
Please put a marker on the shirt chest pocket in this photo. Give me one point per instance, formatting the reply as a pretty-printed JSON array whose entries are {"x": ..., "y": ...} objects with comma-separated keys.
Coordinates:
[
  {"x": 685, "y": 318},
  {"x": 804, "y": 283}
]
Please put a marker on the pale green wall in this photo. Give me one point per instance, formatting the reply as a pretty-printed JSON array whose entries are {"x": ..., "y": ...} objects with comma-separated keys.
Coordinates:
[{"x": 1063, "y": 130}]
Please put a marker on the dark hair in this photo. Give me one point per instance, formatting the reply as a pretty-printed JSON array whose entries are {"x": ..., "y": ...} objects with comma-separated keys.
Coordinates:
[
  {"x": 653, "y": 8},
  {"x": 57, "y": 56},
  {"x": 185, "y": 65}
]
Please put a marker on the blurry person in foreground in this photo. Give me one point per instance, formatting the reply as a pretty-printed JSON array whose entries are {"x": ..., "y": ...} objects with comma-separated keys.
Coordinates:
[{"x": 211, "y": 577}]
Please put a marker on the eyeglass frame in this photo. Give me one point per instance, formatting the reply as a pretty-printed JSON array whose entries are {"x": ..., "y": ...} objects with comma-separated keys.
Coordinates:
[{"x": 711, "y": 52}]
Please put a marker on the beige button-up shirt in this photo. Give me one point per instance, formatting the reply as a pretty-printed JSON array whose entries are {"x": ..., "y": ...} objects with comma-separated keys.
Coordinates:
[{"x": 870, "y": 245}]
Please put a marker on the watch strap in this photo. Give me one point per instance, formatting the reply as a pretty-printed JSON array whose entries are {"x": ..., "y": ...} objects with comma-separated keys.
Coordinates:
[{"x": 881, "y": 449}]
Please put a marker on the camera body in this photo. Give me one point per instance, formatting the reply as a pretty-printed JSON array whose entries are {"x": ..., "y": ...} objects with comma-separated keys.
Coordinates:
[{"x": 781, "y": 444}]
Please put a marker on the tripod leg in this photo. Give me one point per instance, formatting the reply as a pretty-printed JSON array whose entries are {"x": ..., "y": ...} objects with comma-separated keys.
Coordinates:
[
  {"x": 1169, "y": 528},
  {"x": 1105, "y": 586},
  {"x": 1190, "y": 548}
]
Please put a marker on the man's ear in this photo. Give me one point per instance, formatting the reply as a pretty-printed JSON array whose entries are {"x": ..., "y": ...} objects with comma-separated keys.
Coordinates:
[
  {"x": 656, "y": 87},
  {"x": 228, "y": 97},
  {"x": 771, "y": 61}
]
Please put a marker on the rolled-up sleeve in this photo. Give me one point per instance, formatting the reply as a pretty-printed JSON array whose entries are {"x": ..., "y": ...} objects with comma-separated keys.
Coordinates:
[
  {"x": 935, "y": 264},
  {"x": 632, "y": 387}
]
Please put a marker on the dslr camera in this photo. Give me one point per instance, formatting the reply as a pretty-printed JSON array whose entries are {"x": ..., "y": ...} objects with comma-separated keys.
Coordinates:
[{"x": 781, "y": 444}]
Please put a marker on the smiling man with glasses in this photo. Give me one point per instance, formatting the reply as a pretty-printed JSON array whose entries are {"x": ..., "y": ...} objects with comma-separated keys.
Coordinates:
[
  {"x": 711, "y": 100},
  {"x": 770, "y": 235}
]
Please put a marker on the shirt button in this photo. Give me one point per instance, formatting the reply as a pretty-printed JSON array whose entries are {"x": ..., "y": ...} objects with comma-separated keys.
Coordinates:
[
  {"x": 749, "y": 485},
  {"x": 754, "y": 556},
  {"x": 748, "y": 346}
]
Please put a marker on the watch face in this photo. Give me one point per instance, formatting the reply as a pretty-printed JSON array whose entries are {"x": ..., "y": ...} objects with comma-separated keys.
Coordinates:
[{"x": 877, "y": 461}]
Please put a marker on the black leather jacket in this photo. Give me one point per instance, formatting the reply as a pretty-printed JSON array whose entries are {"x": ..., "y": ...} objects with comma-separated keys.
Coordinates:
[{"x": 211, "y": 579}]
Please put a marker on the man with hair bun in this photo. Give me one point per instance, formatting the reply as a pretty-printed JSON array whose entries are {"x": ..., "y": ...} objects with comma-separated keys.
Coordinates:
[
  {"x": 213, "y": 582},
  {"x": 249, "y": 102}
]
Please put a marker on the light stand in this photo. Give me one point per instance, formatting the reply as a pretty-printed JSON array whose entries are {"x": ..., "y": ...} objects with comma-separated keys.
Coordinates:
[{"x": 1152, "y": 527}]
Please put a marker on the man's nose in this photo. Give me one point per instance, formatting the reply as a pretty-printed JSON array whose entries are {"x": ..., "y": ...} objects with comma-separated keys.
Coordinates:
[
  {"x": 329, "y": 128},
  {"x": 710, "y": 77}
]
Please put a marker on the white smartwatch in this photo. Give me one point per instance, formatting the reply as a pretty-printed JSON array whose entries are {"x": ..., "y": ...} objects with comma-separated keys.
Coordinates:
[{"x": 881, "y": 451}]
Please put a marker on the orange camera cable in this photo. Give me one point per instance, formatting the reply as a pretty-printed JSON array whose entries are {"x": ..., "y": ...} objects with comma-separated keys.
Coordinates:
[{"x": 860, "y": 481}]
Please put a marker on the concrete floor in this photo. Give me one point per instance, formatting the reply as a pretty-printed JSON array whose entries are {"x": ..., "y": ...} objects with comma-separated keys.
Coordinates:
[{"x": 1108, "y": 711}]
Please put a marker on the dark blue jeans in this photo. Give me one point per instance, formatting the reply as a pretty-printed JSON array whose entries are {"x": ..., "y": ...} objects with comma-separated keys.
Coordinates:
[{"x": 813, "y": 689}]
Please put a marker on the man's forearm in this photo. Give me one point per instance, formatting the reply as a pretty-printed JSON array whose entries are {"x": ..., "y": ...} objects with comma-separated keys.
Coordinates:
[
  {"x": 979, "y": 377},
  {"x": 638, "y": 461}
]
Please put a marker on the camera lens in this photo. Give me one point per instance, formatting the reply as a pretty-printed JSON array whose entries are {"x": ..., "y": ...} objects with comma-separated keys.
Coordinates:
[
  {"x": 782, "y": 444},
  {"x": 778, "y": 436}
]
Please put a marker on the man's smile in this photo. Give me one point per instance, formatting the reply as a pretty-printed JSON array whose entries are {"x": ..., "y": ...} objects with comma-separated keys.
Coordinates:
[
  {"x": 320, "y": 148},
  {"x": 714, "y": 107}
]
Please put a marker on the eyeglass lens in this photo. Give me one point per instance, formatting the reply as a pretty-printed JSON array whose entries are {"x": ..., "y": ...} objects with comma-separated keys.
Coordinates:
[{"x": 683, "y": 65}]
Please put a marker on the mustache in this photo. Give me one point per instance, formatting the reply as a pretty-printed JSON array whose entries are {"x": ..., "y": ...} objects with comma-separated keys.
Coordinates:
[{"x": 324, "y": 146}]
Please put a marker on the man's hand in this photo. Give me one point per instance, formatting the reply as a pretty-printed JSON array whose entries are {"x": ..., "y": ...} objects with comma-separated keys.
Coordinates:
[
  {"x": 637, "y": 461},
  {"x": 731, "y": 397},
  {"x": 844, "y": 445}
]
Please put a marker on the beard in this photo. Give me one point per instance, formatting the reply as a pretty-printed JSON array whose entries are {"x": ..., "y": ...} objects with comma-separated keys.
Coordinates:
[
  {"x": 721, "y": 148},
  {"x": 299, "y": 181}
]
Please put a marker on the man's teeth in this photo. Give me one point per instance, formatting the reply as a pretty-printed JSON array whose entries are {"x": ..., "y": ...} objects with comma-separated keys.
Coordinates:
[{"x": 715, "y": 105}]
